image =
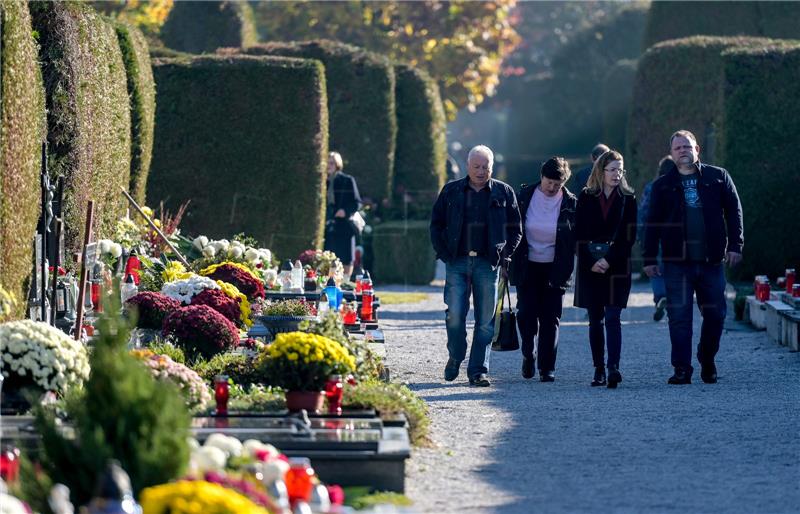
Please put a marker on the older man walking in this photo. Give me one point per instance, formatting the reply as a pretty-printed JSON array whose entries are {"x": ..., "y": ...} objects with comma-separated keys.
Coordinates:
[
  {"x": 475, "y": 227},
  {"x": 696, "y": 216}
]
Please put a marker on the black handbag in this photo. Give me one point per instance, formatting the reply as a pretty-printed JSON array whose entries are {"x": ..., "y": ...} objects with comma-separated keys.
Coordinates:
[
  {"x": 599, "y": 250},
  {"x": 506, "y": 338}
]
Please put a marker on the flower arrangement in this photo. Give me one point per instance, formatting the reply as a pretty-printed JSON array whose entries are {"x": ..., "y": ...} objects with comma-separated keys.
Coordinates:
[
  {"x": 37, "y": 354},
  {"x": 245, "y": 310},
  {"x": 289, "y": 308},
  {"x": 184, "y": 290},
  {"x": 220, "y": 302},
  {"x": 193, "y": 496},
  {"x": 199, "y": 329},
  {"x": 324, "y": 262},
  {"x": 218, "y": 251},
  {"x": 240, "y": 368},
  {"x": 173, "y": 271},
  {"x": 151, "y": 308},
  {"x": 193, "y": 387},
  {"x": 128, "y": 233},
  {"x": 109, "y": 252},
  {"x": 298, "y": 361},
  {"x": 237, "y": 274}
]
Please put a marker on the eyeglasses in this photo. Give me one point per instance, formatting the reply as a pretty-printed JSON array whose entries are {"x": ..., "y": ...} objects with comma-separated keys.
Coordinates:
[{"x": 616, "y": 171}]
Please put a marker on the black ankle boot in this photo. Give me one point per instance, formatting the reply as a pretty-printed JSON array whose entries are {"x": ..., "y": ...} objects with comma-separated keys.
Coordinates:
[
  {"x": 614, "y": 377},
  {"x": 599, "y": 376}
]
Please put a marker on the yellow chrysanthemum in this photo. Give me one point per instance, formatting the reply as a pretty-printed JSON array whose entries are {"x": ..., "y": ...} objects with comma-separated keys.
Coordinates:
[
  {"x": 175, "y": 271},
  {"x": 195, "y": 497},
  {"x": 232, "y": 291},
  {"x": 211, "y": 269}
]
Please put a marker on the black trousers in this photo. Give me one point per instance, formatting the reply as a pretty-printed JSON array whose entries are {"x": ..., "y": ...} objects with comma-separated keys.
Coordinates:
[{"x": 539, "y": 314}]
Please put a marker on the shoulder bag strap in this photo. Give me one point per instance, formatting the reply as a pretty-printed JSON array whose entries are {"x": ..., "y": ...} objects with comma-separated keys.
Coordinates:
[{"x": 621, "y": 213}]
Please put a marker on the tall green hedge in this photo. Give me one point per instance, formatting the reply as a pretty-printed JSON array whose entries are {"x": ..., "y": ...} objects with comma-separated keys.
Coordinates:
[
  {"x": 142, "y": 93},
  {"x": 759, "y": 146},
  {"x": 403, "y": 253},
  {"x": 361, "y": 104},
  {"x": 88, "y": 112},
  {"x": 674, "y": 20},
  {"x": 617, "y": 92},
  {"x": 665, "y": 101},
  {"x": 245, "y": 139},
  {"x": 419, "y": 159},
  {"x": 202, "y": 27},
  {"x": 21, "y": 136}
]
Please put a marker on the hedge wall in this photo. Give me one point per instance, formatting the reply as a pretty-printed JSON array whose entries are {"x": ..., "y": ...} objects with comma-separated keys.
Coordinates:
[
  {"x": 21, "y": 136},
  {"x": 361, "y": 104},
  {"x": 762, "y": 120},
  {"x": 403, "y": 253},
  {"x": 202, "y": 27},
  {"x": 88, "y": 112},
  {"x": 142, "y": 93},
  {"x": 245, "y": 139},
  {"x": 617, "y": 92},
  {"x": 665, "y": 101},
  {"x": 673, "y": 20},
  {"x": 419, "y": 160}
]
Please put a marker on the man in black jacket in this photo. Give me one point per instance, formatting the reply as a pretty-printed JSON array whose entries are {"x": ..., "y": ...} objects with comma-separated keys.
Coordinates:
[
  {"x": 475, "y": 227},
  {"x": 696, "y": 216}
]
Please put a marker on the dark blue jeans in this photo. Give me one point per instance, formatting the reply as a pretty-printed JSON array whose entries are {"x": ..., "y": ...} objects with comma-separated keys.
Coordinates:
[
  {"x": 467, "y": 275},
  {"x": 608, "y": 316},
  {"x": 683, "y": 281}
]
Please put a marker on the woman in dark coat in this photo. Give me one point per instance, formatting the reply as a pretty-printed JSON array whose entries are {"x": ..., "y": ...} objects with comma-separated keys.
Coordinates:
[
  {"x": 343, "y": 202},
  {"x": 606, "y": 213},
  {"x": 542, "y": 265}
]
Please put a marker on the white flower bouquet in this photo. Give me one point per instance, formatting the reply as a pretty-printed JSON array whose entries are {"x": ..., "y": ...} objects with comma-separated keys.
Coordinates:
[
  {"x": 222, "y": 250},
  {"x": 35, "y": 353},
  {"x": 185, "y": 289}
]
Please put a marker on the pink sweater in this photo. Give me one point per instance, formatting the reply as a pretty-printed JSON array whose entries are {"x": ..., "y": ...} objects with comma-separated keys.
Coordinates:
[{"x": 541, "y": 222}]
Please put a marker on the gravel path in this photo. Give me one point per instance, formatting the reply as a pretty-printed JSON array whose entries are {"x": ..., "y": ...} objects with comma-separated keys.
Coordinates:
[{"x": 524, "y": 446}]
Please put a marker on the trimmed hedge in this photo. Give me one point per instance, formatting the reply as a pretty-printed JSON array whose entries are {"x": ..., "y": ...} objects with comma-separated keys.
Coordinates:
[
  {"x": 21, "y": 136},
  {"x": 665, "y": 101},
  {"x": 361, "y": 104},
  {"x": 617, "y": 93},
  {"x": 673, "y": 20},
  {"x": 202, "y": 27},
  {"x": 403, "y": 253},
  {"x": 88, "y": 113},
  {"x": 245, "y": 139},
  {"x": 762, "y": 119},
  {"x": 142, "y": 93},
  {"x": 419, "y": 160}
]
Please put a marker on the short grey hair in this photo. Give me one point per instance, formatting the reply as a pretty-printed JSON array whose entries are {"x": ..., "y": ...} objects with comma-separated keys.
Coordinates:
[{"x": 484, "y": 151}]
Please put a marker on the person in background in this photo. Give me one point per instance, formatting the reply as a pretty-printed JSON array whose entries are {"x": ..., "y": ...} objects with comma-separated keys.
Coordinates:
[
  {"x": 580, "y": 178},
  {"x": 475, "y": 229},
  {"x": 542, "y": 266},
  {"x": 657, "y": 281},
  {"x": 605, "y": 229},
  {"x": 343, "y": 204}
]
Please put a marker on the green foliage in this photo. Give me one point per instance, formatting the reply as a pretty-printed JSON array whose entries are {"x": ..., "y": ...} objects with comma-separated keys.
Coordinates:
[
  {"x": 21, "y": 134},
  {"x": 367, "y": 500},
  {"x": 665, "y": 101},
  {"x": 142, "y": 93},
  {"x": 162, "y": 347},
  {"x": 245, "y": 138},
  {"x": 256, "y": 398},
  {"x": 419, "y": 159},
  {"x": 414, "y": 264},
  {"x": 238, "y": 367},
  {"x": 674, "y": 20},
  {"x": 287, "y": 308},
  {"x": 88, "y": 113},
  {"x": 761, "y": 109},
  {"x": 123, "y": 414},
  {"x": 361, "y": 104},
  {"x": 391, "y": 399},
  {"x": 616, "y": 97},
  {"x": 202, "y": 27},
  {"x": 368, "y": 363}
]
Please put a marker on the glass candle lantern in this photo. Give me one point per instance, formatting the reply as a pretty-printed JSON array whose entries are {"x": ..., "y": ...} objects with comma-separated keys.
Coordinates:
[
  {"x": 299, "y": 479},
  {"x": 334, "y": 388},
  {"x": 790, "y": 279},
  {"x": 366, "y": 305},
  {"x": 349, "y": 315},
  {"x": 9, "y": 464},
  {"x": 796, "y": 291},
  {"x": 221, "y": 394}
]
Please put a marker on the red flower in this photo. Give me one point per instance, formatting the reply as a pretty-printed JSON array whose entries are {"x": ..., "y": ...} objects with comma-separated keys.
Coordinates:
[
  {"x": 307, "y": 257},
  {"x": 151, "y": 308},
  {"x": 201, "y": 329},
  {"x": 220, "y": 302},
  {"x": 246, "y": 283}
]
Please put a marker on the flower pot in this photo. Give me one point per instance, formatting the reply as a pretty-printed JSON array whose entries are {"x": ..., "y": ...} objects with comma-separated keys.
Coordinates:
[
  {"x": 311, "y": 401},
  {"x": 278, "y": 324}
]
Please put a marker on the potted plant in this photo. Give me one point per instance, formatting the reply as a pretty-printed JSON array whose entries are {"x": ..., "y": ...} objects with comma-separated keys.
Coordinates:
[
  {"x": 300, "y": 363},
  {"x": 286, "y": 315}
]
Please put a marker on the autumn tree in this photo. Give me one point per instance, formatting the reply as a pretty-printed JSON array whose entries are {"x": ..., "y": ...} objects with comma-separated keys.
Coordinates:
[{"x": 148, "y": 15}]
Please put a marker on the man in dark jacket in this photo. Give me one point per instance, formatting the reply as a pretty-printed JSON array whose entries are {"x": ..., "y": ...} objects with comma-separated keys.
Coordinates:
[
  {"x": 582, "y": 176},
  {"x": 475, "y": 228},
  {"x": 696, "y": 216}
]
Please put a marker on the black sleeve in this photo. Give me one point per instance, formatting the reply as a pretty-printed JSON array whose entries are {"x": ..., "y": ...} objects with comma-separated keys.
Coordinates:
[
  {"x": 626, "y": 235},
  {"x": 582, "y": 224},
  {"x": 733, "y": 216},
  {"x": 652, "y": 227},
  {"x": 352, "y": 199},
  {"x": 513, "y": 224},
  {"x": 439, "y": 227}
]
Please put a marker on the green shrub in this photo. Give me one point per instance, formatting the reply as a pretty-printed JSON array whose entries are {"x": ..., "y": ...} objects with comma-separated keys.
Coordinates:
[
  {"x": 419, "y": 159},
  {"x": 162, "y": 347},
  {"x": 403, "y": 253},
  {"x": 361, "y": 103},
  {"x": 239, "y": 367},
  {"x": 665, "y": 101},
  {"x": 142, "y": 93},
  {"x": 202, "y": 27},
  {"x": 389, "y": 400},
  {"x": 21, "y": 135},
  {"x": 673, "y": 20},
  {"x": 617, "y": 92},
  {"x": 368, "y": 363},
  {"x": 88, "y": 113},
  {"x": 245, "y": 139},
  {"x": 762, "y": 119}
]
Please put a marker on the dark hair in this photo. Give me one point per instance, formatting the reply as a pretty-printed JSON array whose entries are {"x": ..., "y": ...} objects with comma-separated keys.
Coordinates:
[
  {"x": 682, "y": 133},
  {"x": 598, "y": 150},
  {"x": 664, "y": 165},
  {"x": 556, "y": 168}
]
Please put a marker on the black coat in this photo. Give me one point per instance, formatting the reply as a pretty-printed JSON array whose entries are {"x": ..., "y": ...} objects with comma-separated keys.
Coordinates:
[
  {"x": 666, "y": 219},
  {"x": 614, "y": 286},
  {"x": 448, "y": 214},
  {"x": 345, "y": 196},
  {"x": 564, "y": 262}
]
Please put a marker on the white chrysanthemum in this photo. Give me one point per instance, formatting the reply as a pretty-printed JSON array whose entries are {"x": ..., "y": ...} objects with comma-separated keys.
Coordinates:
[
  {"x": 104, "y": 245},
  {"x": 115, "y": 250},
  {"x": 209, "y": 251},
  {"x": 208, "y": 458},
  {"x": 200, "y": 242},
  {"x": 235, "y": 252},
  {"x": 230, "y": 445},
  {"x": 252, "y": 255},
  {"x": 183, "y": 290}
]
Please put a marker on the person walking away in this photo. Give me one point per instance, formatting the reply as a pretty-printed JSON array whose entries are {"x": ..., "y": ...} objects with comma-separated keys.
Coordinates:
[
  {"x": 581, "y": 177},
  {"x": 605, "y": 228}
]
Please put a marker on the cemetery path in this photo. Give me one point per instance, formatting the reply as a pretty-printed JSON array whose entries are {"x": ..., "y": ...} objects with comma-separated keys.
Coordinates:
[{"x": 524, "y": 446}]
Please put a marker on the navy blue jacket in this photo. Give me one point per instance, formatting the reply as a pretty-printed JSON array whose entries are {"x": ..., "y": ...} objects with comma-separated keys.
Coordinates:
[
  {"x": 666, "y": 219},
  {"x": 505, "y": 230}
]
